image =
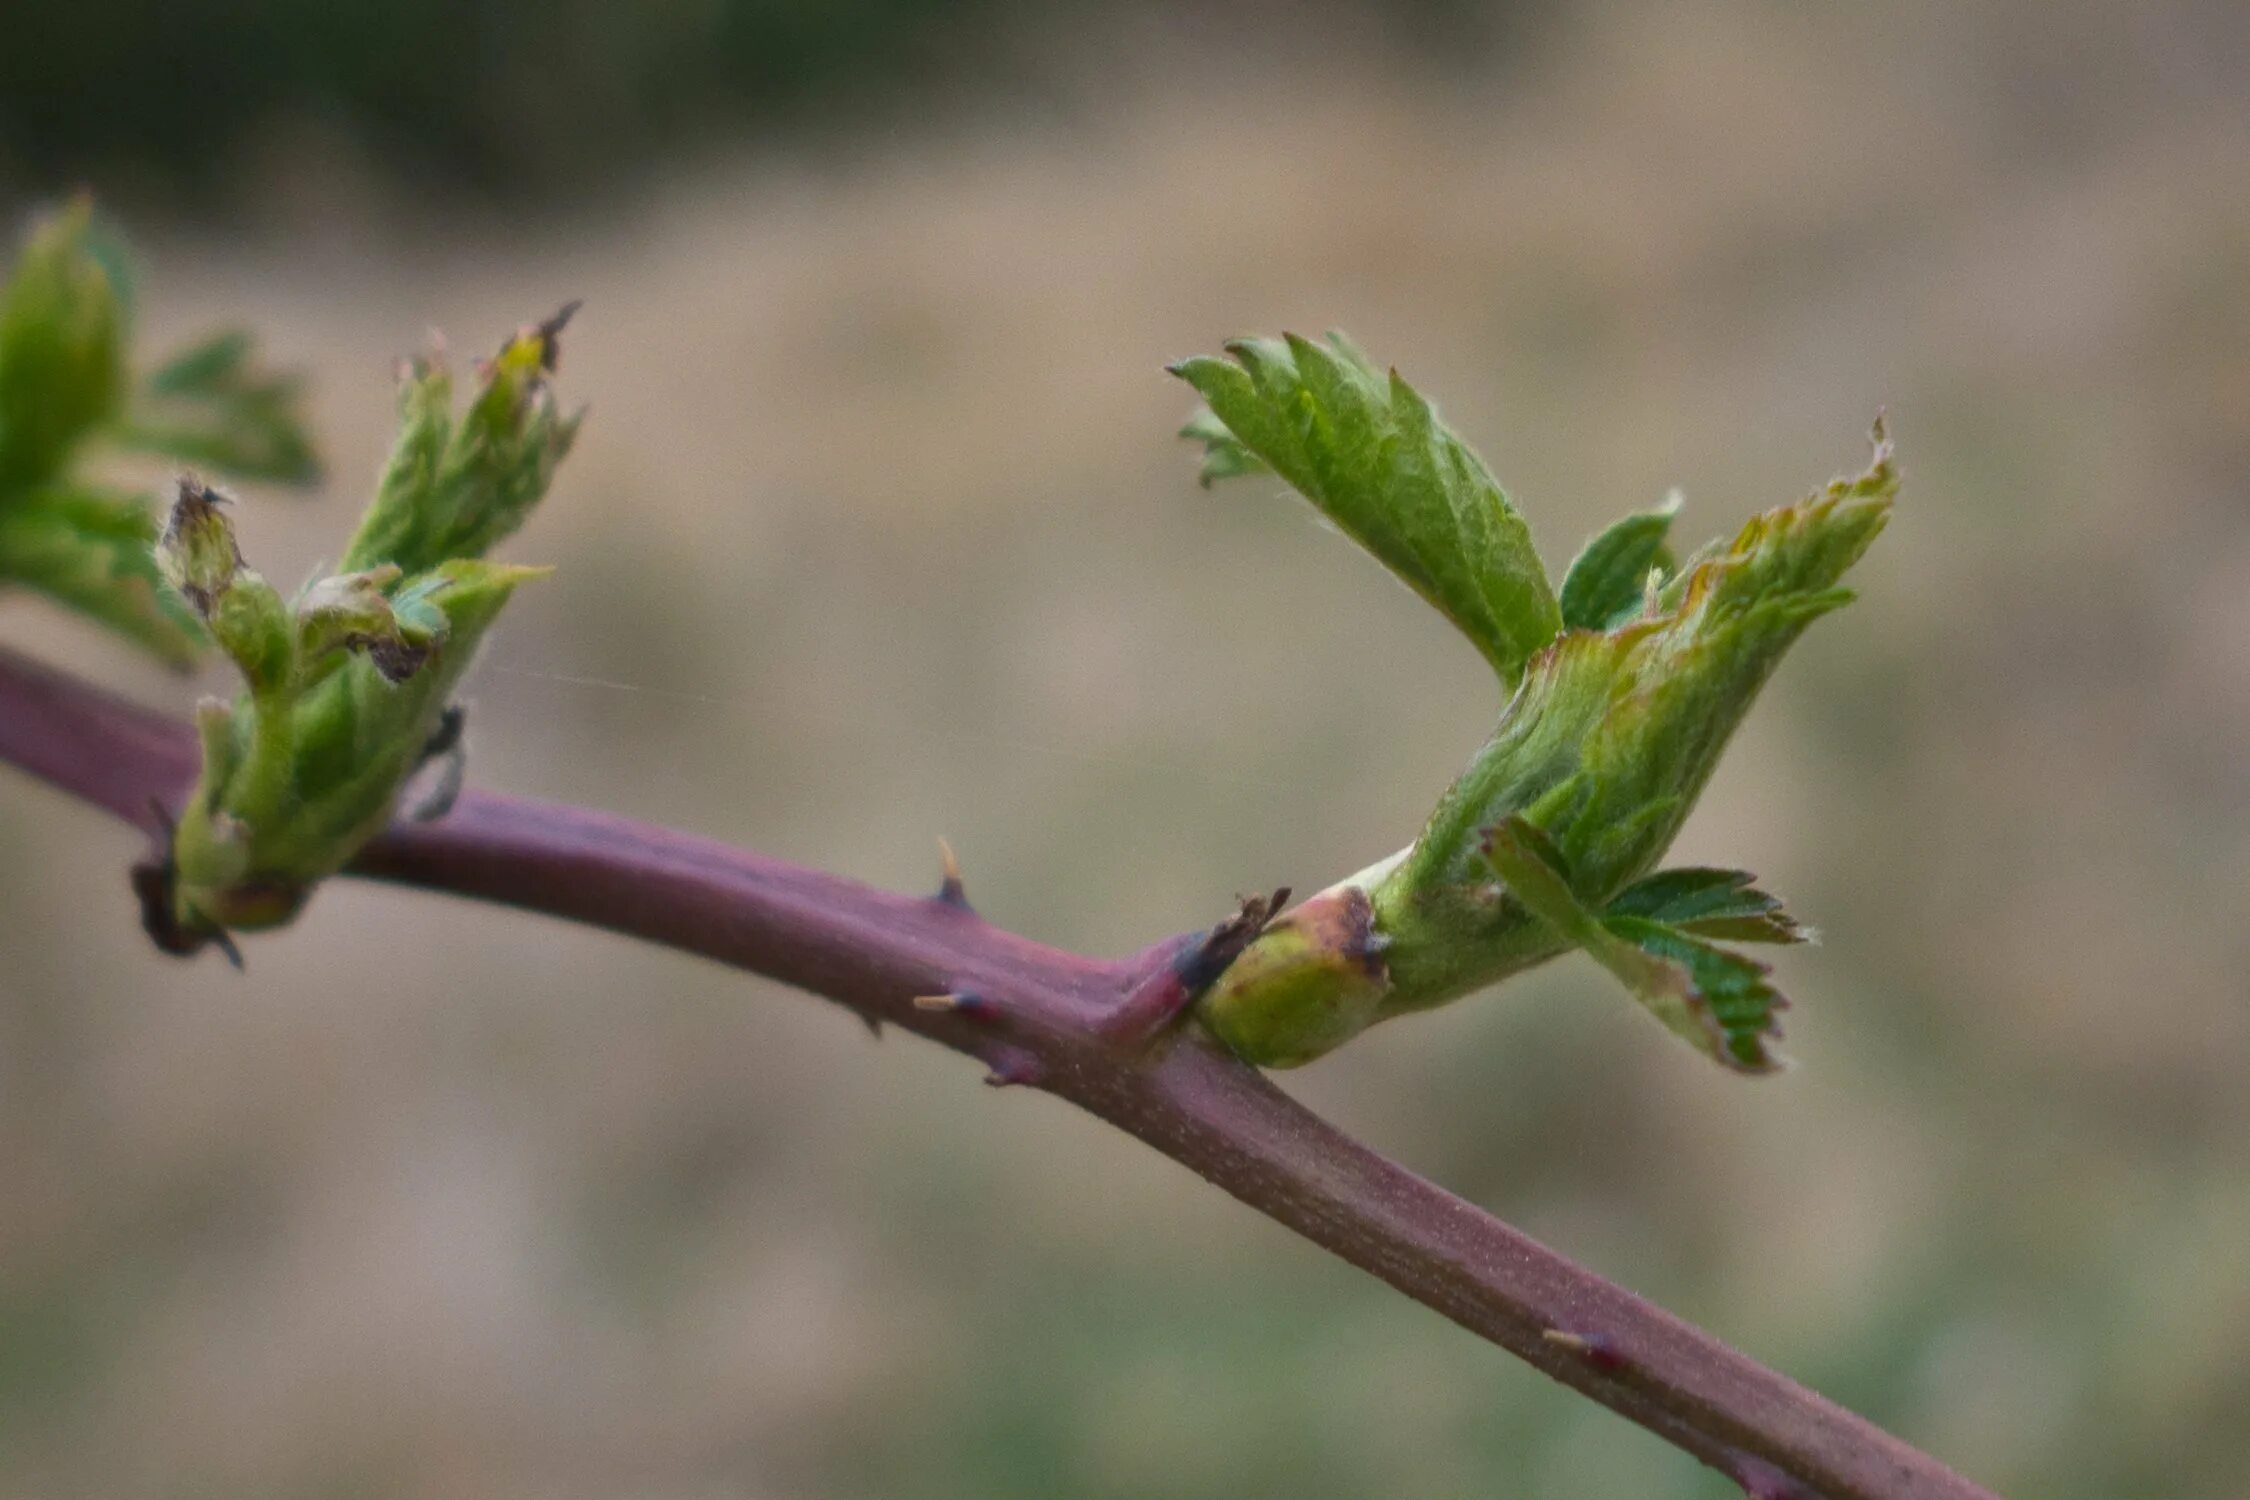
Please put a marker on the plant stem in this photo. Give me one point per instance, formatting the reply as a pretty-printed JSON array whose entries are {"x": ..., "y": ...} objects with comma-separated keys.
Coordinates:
[{"x": 1032, "y": 1014}]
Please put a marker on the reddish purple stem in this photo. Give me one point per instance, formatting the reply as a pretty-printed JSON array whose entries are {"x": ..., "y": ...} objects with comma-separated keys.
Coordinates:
[{"x": 1038, "y": 1020}]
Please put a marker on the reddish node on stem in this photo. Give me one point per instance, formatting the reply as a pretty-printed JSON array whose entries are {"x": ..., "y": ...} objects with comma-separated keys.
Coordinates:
[
  {"x": 1012, "y": 1066},
  {"x": 1160, "y": 999}
]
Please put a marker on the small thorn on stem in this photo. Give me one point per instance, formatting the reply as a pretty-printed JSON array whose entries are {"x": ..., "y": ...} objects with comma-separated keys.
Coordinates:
[
  {"x": 951, "y": 890},
  {"x": 964, "y": 1003},
  {"x": 1012, "y": 1067},
  {"x": 872, "y": 1022},
  {"x": 444, "y": 746},
  {"x": 1597, "y": 1349},
  {"x": 1762, "y": 1481},
  {"x": 223, "y": 940},
  {"x": 948, "y": 1001}
]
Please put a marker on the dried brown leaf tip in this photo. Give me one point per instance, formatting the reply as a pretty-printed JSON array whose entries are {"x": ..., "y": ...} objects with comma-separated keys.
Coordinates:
[
  {"x": 198, "y": 546},
  {"x": 1184, "y": 970},
  {"x": 1224, "y": 943},
  {"x": 548, "y": 331}
]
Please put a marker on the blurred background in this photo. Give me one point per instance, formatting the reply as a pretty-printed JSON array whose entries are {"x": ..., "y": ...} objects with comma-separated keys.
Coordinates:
[{"x": 879, "y": 531}]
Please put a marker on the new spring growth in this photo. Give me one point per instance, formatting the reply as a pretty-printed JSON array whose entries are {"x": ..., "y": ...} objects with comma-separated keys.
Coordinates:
[
  {"x": 68, "y": 394},
  {"x": 348, "y": 685},
  {"x": 1619, "y": 691}
]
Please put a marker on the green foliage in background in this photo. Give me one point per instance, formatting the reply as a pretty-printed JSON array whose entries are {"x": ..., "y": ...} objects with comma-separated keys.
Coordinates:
[
  {"x": 68, "y": 391},
  {"x": 347, "y": 686},
  {"x": 1621, "y": 688}
]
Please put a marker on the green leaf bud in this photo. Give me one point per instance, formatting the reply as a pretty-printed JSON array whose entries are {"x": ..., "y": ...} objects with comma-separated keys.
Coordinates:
[
  {"x": 198, "y": 557},
  {"x": 350, "y": 689},
  {"x": 1618, "y": 716},
  {"x": 454, "y": 488},
  {"x": 62, "y": 349}
]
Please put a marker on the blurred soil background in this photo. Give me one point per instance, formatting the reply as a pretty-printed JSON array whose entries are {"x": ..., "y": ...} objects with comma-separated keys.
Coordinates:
[{"x": 878, "y": 531}]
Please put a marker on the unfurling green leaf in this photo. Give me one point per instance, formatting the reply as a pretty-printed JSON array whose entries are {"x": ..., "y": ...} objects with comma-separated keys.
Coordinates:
[
  {"x": 1597, "y": 759},
  {"x": 1729, "y": 989},
  {"x": 65, "y": 390},
  {"x": 1370, "y": 453},
  {"x": 349, "y": 685},
  {"x": 350, "y": 612},
  {"x": 1719, "y": 1002},
  {"x": 455, "y": 487},
  {"x": 1608, "y": 583},
  {"x": 1710, "y": 903},
  {"x": 1614, "y": 733}
]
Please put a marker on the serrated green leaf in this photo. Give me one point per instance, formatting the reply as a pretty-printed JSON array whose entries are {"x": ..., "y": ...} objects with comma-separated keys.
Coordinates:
[
  {"x": 1608, "y": 582},
  {"x": 1710, "y": 903},
  {"x": 1224, "y": 457},
  {"x": 1370, "y": 453},
  {"x": 1597, "y": 759},
  {"x": 1732, "y": 987},
  {"x": 1719, "y": 1002}
]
